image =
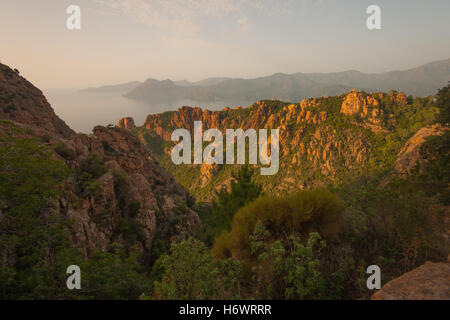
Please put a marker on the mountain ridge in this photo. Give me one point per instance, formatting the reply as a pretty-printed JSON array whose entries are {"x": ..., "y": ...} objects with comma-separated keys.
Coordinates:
[
  {"x": 423, "y": 80},
  {"x": 321, "y": 140}
]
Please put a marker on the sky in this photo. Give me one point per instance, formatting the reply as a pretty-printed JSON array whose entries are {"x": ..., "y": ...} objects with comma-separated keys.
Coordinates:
[{"x": 127, "y": 40}]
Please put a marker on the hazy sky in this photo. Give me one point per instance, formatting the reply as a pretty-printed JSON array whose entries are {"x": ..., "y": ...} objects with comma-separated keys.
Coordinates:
[{"x": 124, "y": 40}]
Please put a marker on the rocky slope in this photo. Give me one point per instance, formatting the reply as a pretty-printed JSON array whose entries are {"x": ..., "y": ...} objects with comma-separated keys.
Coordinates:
[
  {"x": 322, "y": 140},
  {"x": 410, "y": 156},
  {"x": 22, "y": 102},
  {"x": 431, "y": 281},
  {"x": 114, "y": 185}
]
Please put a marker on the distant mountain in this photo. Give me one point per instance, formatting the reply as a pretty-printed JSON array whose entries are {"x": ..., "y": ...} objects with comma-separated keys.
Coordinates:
[
  {"x": 120, "y": 88},
  {"x": 161, "y": 91},
  {"x": 210, "y": 81},
  {"x": 202, "y": 83},
  {"x": 420, "y": 81}
]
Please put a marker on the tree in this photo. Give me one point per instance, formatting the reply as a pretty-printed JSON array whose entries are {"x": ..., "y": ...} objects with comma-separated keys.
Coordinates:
[
  {"x": 287, "y": 269},
  {"x": 190, "y": 272},
  {"x": 443, "y": 103},
  {"x": 114, "y": 274},
  {"x": 242, "y": 191}
]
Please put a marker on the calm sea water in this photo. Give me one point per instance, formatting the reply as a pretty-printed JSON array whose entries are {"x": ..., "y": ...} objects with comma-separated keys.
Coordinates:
[{"x": 82, "y": 111}]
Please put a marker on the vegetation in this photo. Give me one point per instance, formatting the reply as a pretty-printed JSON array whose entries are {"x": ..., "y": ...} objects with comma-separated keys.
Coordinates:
[
  {"x": 218, "y": 219},
  {"x": 434, "y": 175},
  {"x": 309, "y": 244},
  {"x": 35, "y": 248},
  {"x": 34, "y": 242},
  {"x": 443, "y": 103},
  {"x": 190, "y": 272},
  {"x": 303, "y": 212},
  {"x": 289, "y": 270},
  {"x": 65, "y": 151}
]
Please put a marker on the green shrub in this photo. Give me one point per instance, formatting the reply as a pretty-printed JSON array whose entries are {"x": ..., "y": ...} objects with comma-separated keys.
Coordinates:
[
  {"x": 443, "y": 103},
  {"x": 287, "y": 269},
  {"x": 131, "y": 230},
  {"x": 92, "y": 188},
  {"x": 304, "y": 212},
  {"x": 65, "y": 151},
  {"x": 190, "y": 272},
  {"x": 395, "y": 226},
  {"x": 94, "y": 165},
  {"x": 114, "y": 274}
]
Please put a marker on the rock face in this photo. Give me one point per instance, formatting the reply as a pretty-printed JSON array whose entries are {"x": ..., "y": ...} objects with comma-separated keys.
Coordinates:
[
  {"x": 410, "y": 156},
  {"x": 131, "y": 189},
  {"x": 132, "y": 177},
  {"x": 366, "y": 106},
  {"x": 431, "y": 281},
  {"x": 126, "y": 123},
  {"x": 309, "y": 136},
  {"x": 22, "y": 102}
]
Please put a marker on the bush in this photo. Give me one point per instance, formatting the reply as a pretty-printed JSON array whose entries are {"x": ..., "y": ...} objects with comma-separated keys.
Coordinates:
[
  {"x": 89, "y": 171},
  {"x": 190, "y": 272},
  {"x": 443, "y": 103},
  {"x": 94, "y": 165},
  {"x": 395, "y": 226},
  {"x": 131, "y": 230},
  {"x": 434, "y": 173},
  {"x": 302, "y": 213},
  {"x": 114, "y": 274},
  {"x": 287, "y": 269},
  {"x": 64, "y": 151}
]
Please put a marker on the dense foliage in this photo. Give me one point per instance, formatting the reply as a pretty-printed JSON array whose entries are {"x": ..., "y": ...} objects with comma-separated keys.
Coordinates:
[
  {"x": 190, "y": 272},
  {"x": 218, "y": 218},
  {"x": 302, "y": 212}
]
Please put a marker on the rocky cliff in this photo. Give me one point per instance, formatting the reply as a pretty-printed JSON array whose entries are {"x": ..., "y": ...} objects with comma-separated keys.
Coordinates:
[
  {"x": 22, "y": 102},
  {"x": 126, "y": 123},
  {"x": 321, "y": 140},
  {"x": 116, "y": 191}
]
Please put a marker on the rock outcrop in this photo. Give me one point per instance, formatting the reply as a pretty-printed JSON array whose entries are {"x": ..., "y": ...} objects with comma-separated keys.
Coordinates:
[
  {"x": 131, "y": 188},
  {"x": 366, "y": 106},
  {"x": 309, "y": 136},
  {"x": 409, "y": 157},
  {"x": 126, "y": 123},
  {"x": 431, "y": 281},
  {"x": 132, "y": 177}
]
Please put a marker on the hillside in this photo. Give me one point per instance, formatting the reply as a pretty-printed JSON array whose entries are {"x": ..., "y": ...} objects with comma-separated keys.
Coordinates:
[
  {"x": 164, "y": 91},
  {"x": 117, "y": 88},
  {"x": 367, "y": 171},
  {"x": 322, "y": 141},
  {"x": 79, "y": 196}
]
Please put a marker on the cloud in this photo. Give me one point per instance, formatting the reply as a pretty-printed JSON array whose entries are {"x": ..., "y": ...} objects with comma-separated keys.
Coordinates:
[{"x": 186, "y": 16}]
